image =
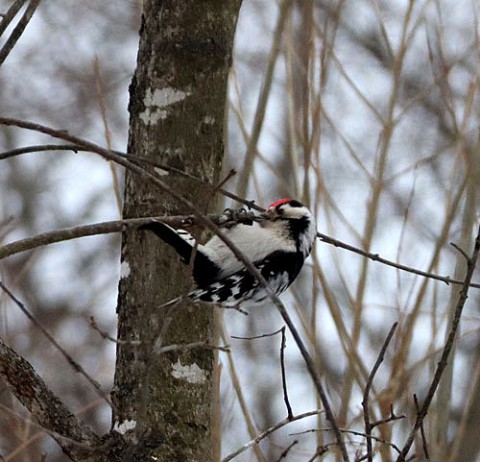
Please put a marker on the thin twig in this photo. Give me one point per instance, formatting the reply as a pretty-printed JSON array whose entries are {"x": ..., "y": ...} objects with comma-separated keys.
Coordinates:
[
  {"x": 391, "y": 418},
  {"x": 287, "y": 450},
  {"x": 251, "y": 428},
  {"x": 456, "y": 247},
  {"x": 18, "y": 31},
  {"x": 10, "y": 14},
  {"x": 375, "y": 257},
  {"x": 442, "y": 364},
  {"x": 284, "y": 377},
  {"x": 108, "y": 137},
  {"x": 40, "y": 148},
  {"x": 255, "y": 337},
  {"x": 350, "y": 432},
  {"x": 366, "y": 393},
  {"x": 267, "y": 432},
  {"x": 319, "y": 452},
  {"x": 228, "y": 176},
  {"x": 191, "y": 346},
  {"x": 103, "y": 333},
  {"x": 282, "y": 363},
  {"x": 422, "y": 430}
]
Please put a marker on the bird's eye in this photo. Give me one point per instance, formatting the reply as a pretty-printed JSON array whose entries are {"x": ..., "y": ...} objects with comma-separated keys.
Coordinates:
[{"x": 295, "y": 204}]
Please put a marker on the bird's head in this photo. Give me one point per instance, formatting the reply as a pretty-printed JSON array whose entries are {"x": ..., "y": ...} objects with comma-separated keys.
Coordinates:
[
  {"x": 294, "y": 219},
  {"x": 287, "y": 209}
]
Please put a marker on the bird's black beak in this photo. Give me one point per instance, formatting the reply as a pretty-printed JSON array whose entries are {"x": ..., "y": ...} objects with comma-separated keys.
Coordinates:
[{"x": 268, "y": 214}]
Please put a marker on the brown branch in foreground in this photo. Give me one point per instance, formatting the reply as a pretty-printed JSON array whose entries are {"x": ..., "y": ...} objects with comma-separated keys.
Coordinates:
[
  {"x": 111, "y": 227},
  {"x": 442, "y": 364},
  {"x": 267, "y": 432},
  {"x": 366, "y": 394},
  {"x": 74, "y": 437}
]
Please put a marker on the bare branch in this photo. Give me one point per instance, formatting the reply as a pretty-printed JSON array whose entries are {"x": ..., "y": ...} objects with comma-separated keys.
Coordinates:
[
  {"x": 40, "y": 148},
  {"x": 284, "y": 378},
  {"x": 462, "y": 252},
  {"x": 104, "y": 334},
  {"x": 366, "y": 393},
  {"x": 191, "y": 346},
  {"x": 352, "y": 432},
  {"x": 284, "y": 454},
  {"x": 74, "y": 437},
  {"x": 268, "y": 432},
  {"x": 18, "y": 31},
  {"x": 391, "y": 418},
  {"x": 265, "y": 93},
  {"x": 375, "y": 257},
  {"x": 270, "y": 334},
  {"x": 442, "y": 364},
  {"x": 422, "y": 431},
  {"x": 319, "y": 452},
  {"x": 282, "y": 363},
  {"x": 116, "y": 226},
  {"x": 10, "y": 14}
]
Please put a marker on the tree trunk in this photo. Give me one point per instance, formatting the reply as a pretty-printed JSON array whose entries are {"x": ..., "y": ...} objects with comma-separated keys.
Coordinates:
[{"x": 164, "y": 401}]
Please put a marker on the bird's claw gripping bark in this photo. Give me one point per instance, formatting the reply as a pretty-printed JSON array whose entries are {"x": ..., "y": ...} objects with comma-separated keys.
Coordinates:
[{"x": 232, "y": 217}]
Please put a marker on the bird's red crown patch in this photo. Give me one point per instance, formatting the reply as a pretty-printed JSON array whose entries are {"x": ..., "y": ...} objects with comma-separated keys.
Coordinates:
[{"x": 279, "y": 202}]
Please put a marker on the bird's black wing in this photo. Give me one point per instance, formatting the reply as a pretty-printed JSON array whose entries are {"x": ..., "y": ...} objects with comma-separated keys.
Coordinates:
[
  {"x": 205, "y": 271},
  {"x": 280, "y": 269}
]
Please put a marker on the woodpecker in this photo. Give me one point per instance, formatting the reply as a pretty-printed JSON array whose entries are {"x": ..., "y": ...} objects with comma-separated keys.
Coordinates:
[{"x": 277, "y": 245}]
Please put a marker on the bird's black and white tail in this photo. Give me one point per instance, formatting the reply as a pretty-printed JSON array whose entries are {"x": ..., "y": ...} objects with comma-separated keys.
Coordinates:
[
  {"x": 182, "y": 241},
  {"x": 205, "y": 271}
]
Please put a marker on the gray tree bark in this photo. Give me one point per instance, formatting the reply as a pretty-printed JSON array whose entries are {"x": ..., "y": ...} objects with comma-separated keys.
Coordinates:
[{"x": 164, "y": 401}]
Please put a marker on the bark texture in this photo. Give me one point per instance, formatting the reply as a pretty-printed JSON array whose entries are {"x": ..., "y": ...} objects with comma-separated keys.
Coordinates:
[{"x": 164, "y": 400}]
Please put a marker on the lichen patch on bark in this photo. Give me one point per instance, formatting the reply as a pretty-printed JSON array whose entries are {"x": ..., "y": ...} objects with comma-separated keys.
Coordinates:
[{"x": 191, "y": 373}]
